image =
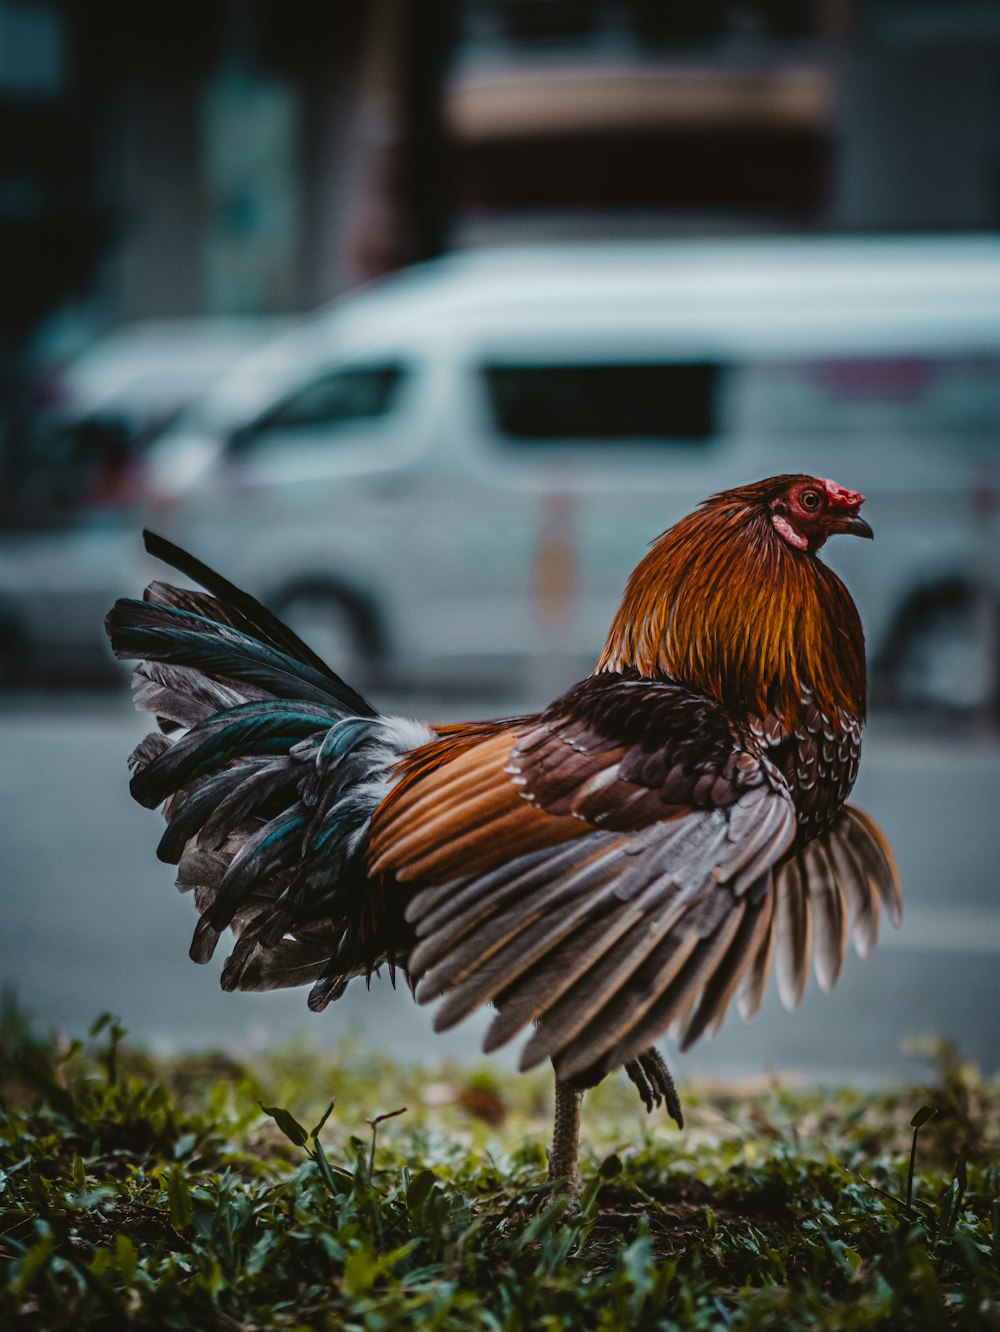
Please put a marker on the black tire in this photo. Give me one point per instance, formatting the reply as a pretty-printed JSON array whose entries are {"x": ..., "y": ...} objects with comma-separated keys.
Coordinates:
[
  {"x": 338, "y": 622},
  {"x": 940, "y": 654}
]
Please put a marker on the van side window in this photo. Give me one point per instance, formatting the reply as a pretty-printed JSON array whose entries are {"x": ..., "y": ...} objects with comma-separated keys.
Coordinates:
[
  {"x": 910, "y": 396},
  {"x": 670, "y": 402},
  {"x": 348, "y": 395}
]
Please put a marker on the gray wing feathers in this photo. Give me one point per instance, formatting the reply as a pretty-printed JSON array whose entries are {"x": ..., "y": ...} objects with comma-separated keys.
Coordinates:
[
  {"x": 835, "y": 887},
  {"x": 607, "y": 940}
]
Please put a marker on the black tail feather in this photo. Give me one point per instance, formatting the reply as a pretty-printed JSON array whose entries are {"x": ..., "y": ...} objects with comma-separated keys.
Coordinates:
[
  {"x": 252, "y": 730},
  {"x": 142, "y": 629},
  {"x": 268, "y": 791},
  {"x": 257, "y": 619}
]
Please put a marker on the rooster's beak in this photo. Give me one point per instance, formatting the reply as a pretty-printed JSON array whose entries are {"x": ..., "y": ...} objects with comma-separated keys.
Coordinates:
[{"x": 855, "y": 526}]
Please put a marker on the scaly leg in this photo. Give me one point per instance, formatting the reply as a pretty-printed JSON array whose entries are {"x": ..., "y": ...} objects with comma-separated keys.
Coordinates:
[{"x": 563, "y": 1163}]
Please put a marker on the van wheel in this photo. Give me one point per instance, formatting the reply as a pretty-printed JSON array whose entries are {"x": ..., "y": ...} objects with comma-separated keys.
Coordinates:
[
  {"x": 340, "y": 624},
  {"x": 942, "y": 651}
]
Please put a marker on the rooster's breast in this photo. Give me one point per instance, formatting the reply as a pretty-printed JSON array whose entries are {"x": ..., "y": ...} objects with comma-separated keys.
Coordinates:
[{"x": 818, "y": 756}]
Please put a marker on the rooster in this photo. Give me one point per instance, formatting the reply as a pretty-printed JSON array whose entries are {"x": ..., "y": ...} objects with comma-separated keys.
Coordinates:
[{"x": 622, "y": 864}]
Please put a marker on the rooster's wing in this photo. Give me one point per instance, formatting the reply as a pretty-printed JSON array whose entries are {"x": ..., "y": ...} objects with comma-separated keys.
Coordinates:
[{"x": 604, "y": 871}]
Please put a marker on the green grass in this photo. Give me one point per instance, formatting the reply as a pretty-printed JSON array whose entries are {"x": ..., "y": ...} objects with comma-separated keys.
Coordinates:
[{"x": 144, "y": 1193}]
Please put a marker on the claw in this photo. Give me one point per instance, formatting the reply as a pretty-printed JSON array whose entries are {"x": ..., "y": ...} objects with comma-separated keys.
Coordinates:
[{"x": 656, "y": 1086}]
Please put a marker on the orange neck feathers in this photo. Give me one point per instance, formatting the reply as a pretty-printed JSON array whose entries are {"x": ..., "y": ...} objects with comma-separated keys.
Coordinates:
[{"x": 721, "y": 603}]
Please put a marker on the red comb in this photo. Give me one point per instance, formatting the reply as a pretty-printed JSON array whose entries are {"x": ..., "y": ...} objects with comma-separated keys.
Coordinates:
[{"x": 842, "y": 499}]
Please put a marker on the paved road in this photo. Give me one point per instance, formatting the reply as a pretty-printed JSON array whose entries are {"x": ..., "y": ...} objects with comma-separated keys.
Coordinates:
[{"x": 91, "y": 920}]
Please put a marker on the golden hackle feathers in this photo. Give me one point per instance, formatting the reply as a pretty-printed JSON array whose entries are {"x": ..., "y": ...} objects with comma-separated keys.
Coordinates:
[{"x": 724, "y": 605}]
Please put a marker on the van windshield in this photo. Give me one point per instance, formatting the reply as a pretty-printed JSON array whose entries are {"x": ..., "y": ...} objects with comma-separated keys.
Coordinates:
[
  {"x": 347, "y": 395},
  {"x": 668, "y": 402}
]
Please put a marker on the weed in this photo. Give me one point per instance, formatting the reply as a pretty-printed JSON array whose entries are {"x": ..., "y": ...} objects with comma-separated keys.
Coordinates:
[{"x": 185, "y": 1195}]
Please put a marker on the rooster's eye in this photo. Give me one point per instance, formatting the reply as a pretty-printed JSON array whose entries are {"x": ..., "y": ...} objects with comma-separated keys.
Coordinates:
[{"x": 809, "y": 499}]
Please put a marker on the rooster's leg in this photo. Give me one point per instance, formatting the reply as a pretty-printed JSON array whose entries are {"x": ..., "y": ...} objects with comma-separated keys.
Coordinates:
[
  {"x": 565, "y": 1137},
  {"x": 656, "y": 1087}
]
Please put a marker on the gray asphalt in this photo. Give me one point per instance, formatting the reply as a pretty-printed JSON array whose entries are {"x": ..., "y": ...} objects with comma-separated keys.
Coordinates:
[{"x": 91, "y": 921}]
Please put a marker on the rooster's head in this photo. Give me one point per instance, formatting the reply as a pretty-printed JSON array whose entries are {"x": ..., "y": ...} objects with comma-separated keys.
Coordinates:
[{"x": 805, "y": 510}]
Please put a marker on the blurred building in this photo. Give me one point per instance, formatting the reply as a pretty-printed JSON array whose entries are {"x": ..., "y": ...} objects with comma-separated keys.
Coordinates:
[
  {"x": 251, "y": 157},
  {"x": 728, "y": 115},
  {"x": 180, "y": 158},
  {"x": 247, "y": 156}
]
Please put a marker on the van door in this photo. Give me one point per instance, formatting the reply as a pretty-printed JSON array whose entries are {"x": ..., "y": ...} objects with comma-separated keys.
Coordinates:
[{"x": 598, "y": 449}]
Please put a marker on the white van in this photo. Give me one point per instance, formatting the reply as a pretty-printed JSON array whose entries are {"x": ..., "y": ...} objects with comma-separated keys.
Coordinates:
[{"x": 466, "y": 460}]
